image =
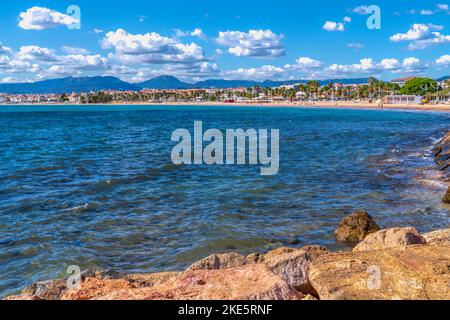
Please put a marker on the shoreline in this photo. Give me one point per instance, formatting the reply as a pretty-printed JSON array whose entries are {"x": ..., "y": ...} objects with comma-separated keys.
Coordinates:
[{"x": 320, "y": 104}]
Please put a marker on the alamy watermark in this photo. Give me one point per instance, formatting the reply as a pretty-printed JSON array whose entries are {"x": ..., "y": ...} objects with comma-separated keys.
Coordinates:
[
  {"x": 374, "y": 20},
  {"x": 235, "y": 146},
  {"x": 74, "y": 11}
]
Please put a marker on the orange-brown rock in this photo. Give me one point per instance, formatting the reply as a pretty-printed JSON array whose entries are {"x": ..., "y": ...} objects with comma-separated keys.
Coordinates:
[
  {"x": 151, "y": 279},
  {"x": 293, "y": 265},
  {"x": 390, "y": 238},
  {"x": 219, "y": 261},
  {"x": 249, "y": 282},
  {"x": 407, "y": 273},
  {"x": 438, "y": 238},
  {"x": 355, "y": 227}
]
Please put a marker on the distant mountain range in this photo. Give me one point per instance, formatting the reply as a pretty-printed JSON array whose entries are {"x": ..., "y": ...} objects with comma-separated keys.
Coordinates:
[{"x": 87, "y": 84}]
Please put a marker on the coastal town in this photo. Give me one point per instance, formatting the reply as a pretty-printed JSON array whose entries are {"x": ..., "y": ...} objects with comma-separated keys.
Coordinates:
[{"x": 410, "y": 90}]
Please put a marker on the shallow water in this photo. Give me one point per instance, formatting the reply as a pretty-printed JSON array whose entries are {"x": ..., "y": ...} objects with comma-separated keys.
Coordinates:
[{"x": 95, "y": 187}]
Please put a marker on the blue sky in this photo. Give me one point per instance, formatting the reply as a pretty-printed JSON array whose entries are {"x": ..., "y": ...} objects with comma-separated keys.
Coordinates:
[{"x": 199, "y": 39}]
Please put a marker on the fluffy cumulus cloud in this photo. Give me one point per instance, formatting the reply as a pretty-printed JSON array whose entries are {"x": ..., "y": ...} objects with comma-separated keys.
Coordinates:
[
  {"x": 255, "y": 43},
  {"x": 258, "y": 74},
  {"x": 41, "y": 63},
  {"x": 443, "y": 61},
  {"x": 369, "y": 66},
  {"x": 150, "y": 48},
  {"x": 39, "y": 18},
  {"x": 333, "y": 26},
  {"x": 336, "y": 26},
  {"x": 304, "y": 64},
  {"x": 422, "y": 36},
  {"x": 197, "y": 32}
]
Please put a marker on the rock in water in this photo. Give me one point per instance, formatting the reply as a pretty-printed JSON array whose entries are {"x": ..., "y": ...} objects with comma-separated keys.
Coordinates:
[
  {"x": 355, "y": 227},
  {"x": 390, "y": 238},
  {"x": 293, "y": 266},
  {"x": 410, "y": 273},
  {"x": 446, "y": 198}
]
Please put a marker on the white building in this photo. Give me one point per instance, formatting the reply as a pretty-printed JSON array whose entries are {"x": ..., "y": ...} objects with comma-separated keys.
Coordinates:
[{"x": 402, "y": 99}]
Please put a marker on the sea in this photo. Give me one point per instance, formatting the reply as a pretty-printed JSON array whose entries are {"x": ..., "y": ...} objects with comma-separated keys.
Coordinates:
[{"x": 95, "y": 186}]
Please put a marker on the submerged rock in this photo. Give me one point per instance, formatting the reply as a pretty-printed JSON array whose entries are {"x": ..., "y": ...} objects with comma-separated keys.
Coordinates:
[
  {"x": 390, "y": 238},
  {"x": 355, "y": 227},
  {"x": 409, "y": 273}
]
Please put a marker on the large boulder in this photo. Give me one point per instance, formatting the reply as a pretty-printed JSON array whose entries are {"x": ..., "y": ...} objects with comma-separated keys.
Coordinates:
[
  {"x": 438, "y": 238},
  {"x": 390, "y": 238},
  {"x": 219, "y": 261},
  {"x": 355, "y": 227},
  {"x": 292, "y": 265},
  {"x": 408, "y": 273},
  {"x": 248, "y": 282}
]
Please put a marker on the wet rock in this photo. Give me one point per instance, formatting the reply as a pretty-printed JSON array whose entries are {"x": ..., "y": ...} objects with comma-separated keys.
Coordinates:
[
  {"x": 355, "y": 227},
  {"x": 95, "y": 287},
  {"x": 293, "y": 266},
  {"x": 446, "y": 198},
  {"x": 110, "y": 275},
  {"x": 219, "y": 261},
  {"x": 248, "y": 282},
  {"x": 151, "y": 279},
  {"x": 408, "y": 273},
  {"x": 438, "y": 238},
  {"x": 46, "y": 290},
  {"x": 390, "y": 238}
]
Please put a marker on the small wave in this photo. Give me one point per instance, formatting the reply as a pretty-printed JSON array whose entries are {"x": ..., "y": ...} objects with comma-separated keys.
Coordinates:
[{"x": 82, "y": 208}]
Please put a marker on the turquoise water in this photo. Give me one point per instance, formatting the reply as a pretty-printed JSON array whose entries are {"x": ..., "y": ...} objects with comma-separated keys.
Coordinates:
[{"x": 95, "y": 186}]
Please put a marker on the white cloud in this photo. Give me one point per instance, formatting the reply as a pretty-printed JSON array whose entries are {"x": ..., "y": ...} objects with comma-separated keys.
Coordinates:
[
  {"x": 197, "y": 32},
  {"x": 442, "y": 6},
  {"x": 355, "y": 45},
  {"x": 255, "y": 43},
  {"x": 36, "y": 54},
  {"x": 422, "y": 36},
  {"x": 39, "y": 18},
  {"x": 304, "y": 63},
  {"x": 74, "y": 50},
  {"x": 443, "y": 60},
  {"x": 150, "y": 48},
  {"x": 426, "y": 12},
  {"x": 97, "y": 31},
  {"x": 347, "y": 19},
  {"x": 333, "y": 26},
  {"x": 369, "y": 66},
  {"x": 362, "y": 10},
  {"x": 258, "y": 74}
]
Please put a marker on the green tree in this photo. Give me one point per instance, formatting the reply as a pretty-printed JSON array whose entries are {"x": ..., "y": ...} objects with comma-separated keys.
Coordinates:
[{"x": 420, "y": 87}]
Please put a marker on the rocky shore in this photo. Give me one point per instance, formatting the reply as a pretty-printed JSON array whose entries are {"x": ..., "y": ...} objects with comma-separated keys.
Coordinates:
[{"x": 390, "y": 264}]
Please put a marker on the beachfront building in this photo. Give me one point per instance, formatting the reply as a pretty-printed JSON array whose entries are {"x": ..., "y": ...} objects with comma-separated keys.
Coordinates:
[
  {"x": 401, "y": 81},
  {"x": 402, "y": 99}
]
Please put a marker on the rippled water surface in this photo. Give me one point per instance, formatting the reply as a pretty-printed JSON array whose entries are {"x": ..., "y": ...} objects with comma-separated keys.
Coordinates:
[{"x": 95, "y": 187}]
